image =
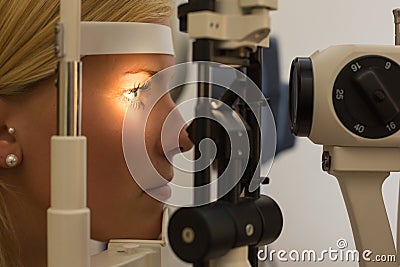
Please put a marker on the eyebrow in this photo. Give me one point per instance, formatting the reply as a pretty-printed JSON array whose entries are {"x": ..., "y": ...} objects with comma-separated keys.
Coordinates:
[{"x": 147, "y": 71}]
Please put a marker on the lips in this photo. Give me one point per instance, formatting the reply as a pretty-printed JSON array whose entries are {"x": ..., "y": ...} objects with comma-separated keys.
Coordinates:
[
  {"x": 158, "y": 188},
  {"x": 161, "y": 190}
]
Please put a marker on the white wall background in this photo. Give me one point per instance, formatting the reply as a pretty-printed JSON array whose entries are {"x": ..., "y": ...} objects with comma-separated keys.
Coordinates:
[{"x": 314, "y": 211}]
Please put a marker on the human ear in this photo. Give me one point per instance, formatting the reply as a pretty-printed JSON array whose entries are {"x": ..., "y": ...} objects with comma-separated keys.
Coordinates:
[{"x": 10, "y": 149}]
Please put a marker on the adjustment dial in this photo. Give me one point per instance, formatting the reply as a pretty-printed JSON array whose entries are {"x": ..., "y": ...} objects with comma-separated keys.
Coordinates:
[{"x": 366, "y": 96}]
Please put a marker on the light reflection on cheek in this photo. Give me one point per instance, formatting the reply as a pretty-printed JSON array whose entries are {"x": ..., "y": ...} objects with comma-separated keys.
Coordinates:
[
  {"x": 141, "y": 133},
  {"x": 134, "y": 145},
  {"x": 134, "y": 131},
  {"x": 141, "y": 120},
  {"x": 142, "y": 106}
]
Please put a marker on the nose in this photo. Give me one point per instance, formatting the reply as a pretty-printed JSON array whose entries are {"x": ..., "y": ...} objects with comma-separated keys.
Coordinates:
[
  {"x": 185, "y": 144},
  {"x": 174, "y": 136}
]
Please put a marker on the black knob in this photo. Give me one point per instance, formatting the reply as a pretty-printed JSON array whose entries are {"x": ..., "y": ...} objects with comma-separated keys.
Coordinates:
[
  {"x": 366, "y": 96},
  {"x": 210, "y": 231}
]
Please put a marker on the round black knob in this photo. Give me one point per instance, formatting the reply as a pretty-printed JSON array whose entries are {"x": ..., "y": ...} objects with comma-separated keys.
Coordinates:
[
  {"x": 366, "y": 96},
  {"x": 301, "y": 96},
  {"x": 210, "y": 231}
]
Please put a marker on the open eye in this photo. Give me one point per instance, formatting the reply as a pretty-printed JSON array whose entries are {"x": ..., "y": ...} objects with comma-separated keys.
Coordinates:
[{"x": 133, "y": 94}]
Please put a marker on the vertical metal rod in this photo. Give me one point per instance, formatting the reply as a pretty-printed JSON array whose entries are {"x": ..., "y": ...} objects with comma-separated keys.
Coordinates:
[
  {"x": 233, "y": 196},
  {"x": 255, "y": 74},
  {"x": 69, "y": 98},
  {"x": 203, "y": 130},
  {"x": 69, "y": 68},
  {"x": 68, "y": 218},
  {"x": 203, "y": 50},
  {"x": 396, "y": 14},
  {"x": 252, "y": 168},
  {"x": 398, "y": 227}
]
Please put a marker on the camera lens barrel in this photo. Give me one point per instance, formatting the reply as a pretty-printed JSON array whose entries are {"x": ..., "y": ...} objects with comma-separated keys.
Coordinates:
[{"x": 301, "y": 96}]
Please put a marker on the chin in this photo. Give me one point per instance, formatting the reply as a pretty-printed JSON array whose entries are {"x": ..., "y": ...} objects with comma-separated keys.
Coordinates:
[{"x": 143, "y": 223}]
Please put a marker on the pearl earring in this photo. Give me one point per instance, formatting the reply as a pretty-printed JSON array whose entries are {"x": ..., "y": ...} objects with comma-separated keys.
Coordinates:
[
  {"x": 11, "y": 160},
  {"x": 11, "y": 130}
]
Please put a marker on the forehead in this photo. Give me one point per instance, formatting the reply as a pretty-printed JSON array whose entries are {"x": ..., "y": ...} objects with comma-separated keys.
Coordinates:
[{"x": 128, "y": 63}]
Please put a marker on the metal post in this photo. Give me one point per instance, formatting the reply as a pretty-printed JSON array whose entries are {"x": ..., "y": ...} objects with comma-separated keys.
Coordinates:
[
  {"x": 396, "y": 14},
  {"x": 68, "y": 218}
]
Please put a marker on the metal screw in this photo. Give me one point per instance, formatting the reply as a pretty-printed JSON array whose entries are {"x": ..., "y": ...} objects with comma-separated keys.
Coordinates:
[
  {"x": 188, "y": 235},
  {"x": 240, "y": 152},
  {"x": 379, "y": 96},
  {"x": 249, "y": 230},
  {"x": 57, "y": 28}
]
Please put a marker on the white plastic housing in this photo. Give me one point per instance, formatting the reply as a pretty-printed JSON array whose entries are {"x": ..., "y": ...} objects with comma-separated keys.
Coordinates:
[
  {"x": 105, "y": 38},
  {"x": 326, "y": 128},
  {"x": 70, "y": 17},
  {"x": 236, "y": 23},
  {"x": 68, "y": 218},
  {"x": 235, "y": 258}
]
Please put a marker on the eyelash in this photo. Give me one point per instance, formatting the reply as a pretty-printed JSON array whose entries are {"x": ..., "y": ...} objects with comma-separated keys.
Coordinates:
[
  {"x": 137, "y": 87},
  {"x": 130, "y": 94}
]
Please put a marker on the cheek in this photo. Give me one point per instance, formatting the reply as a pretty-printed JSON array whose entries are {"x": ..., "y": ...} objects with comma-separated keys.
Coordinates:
[
  {"x": 109, "y": 181},
  {"x": 102, "y": 125},
  {"x": 156, "y": 123},
  {"x": 39, "y": 125},
  {"x": 102, "y": 121}
]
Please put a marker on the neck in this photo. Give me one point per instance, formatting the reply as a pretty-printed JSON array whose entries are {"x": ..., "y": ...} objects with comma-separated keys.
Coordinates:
[{"x": 29, "y": 223}]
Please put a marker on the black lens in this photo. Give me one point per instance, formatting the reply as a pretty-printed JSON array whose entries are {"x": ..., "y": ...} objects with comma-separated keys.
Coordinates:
[{"x": 301, "y": 96}]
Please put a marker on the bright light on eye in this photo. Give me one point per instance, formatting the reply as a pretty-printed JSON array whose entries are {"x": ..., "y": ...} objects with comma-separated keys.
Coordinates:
[
  {"x": 128, "y": 95},
  {"x": 132, "y": 85}
]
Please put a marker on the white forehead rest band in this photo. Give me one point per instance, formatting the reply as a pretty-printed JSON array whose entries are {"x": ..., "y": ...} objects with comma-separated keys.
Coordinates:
[{"x": 103, "y": 38}]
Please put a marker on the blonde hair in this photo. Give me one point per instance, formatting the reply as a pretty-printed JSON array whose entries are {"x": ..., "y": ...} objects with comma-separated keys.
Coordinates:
[
  {"x": 27, "y": 56},
  {"x": 27, "y": 34}
]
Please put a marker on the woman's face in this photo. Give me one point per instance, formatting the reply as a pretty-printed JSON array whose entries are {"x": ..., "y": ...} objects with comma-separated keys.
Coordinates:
[{"x": 119, "y": 207}]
